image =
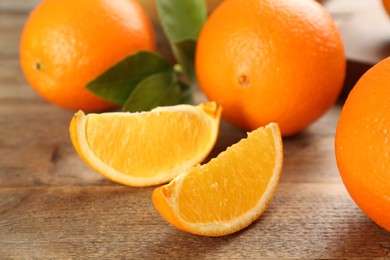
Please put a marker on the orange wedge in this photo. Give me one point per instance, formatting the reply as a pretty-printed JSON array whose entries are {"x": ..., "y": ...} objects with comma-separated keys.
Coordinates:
[
  {"x": 146, "y": 148},
  {"x": 229, "y": 192}
]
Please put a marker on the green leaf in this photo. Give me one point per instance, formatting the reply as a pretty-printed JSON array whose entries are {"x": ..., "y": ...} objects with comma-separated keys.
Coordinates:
[
  {"x": 186, "y": 94},
  {"x": 160, "y": 89},
  {"x": 184, "y": 52},
  {"x": 118, "y": 82},
  {"x": 182, "y": 19}
]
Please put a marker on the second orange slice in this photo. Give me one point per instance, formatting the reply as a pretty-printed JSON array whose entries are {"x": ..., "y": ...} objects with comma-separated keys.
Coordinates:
[{"x": 229, "y": 192}]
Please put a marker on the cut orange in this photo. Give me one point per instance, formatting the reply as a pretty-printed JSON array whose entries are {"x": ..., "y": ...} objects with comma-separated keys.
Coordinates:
[
  {"x": 228, "y": 193},
  {"x": 147, "y": 148}
]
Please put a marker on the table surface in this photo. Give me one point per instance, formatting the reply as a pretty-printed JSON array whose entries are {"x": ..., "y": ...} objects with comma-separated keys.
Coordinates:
[{"x": 54, "y": 206}]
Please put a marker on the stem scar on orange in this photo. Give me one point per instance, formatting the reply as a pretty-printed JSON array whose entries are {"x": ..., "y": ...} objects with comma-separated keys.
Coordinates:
[
  {"x": 66, "y": 44},
  {"x": 271, "y": 61},
  {"x": 363, "y": 143}
]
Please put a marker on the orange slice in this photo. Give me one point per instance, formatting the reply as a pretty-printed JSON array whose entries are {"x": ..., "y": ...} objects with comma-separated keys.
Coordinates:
[
  {"x": 147, "y": 148},
  {"x": 229, "y": 192}
]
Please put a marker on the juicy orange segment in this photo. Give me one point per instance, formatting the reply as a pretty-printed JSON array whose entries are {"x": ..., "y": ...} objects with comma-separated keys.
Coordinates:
[
  {"x": 229, "y": 192},
  {"x": 147, "y": 148}
]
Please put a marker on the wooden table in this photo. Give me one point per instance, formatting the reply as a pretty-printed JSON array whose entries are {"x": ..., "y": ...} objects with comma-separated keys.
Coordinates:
[{"x": 53, "y": 206}]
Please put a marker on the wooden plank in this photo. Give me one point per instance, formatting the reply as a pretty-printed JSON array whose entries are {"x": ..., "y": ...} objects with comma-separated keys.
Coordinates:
[
  {"x": 13, "y": 85},
  {"x": 17, "y": 6},
  {"x": 10, "y": 29},
  {"x": 46, "y": 223}
]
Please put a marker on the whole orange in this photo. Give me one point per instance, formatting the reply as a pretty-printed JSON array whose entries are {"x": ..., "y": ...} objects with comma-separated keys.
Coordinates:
[
  {"x": 66, "y": 44},
  {"x": 363, "y": 143},
  {"x": 271, "y": 61}
]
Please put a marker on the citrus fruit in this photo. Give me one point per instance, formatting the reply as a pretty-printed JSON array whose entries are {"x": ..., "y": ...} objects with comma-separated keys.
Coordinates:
[
  {"x": 147, "y": 148},
  {"x": 271, "y": 61},
  {"x": 363, "y": 143},
  {"x": 229, "y": 192},
  {"x": 64, "y": 45}
]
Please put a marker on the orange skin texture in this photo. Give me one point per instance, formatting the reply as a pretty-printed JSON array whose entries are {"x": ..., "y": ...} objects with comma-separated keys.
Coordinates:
[
  {"x": 271, "y": 61},
  {"x": 363, "y": 143},
  {"x": 64, "y": 45}
]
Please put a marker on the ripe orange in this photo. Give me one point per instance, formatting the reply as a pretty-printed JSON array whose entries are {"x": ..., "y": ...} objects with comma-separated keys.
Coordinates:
[
  {"x": 148, "y": 148},
  {"x": 229, "y": 192},
  {"x": 271, "y": 61},
  {"x": 363, "y": 143},
  {"x": 66, "y": 44}
]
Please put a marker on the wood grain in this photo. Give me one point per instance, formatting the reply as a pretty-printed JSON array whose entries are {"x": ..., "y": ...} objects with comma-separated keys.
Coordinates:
[
  {"x": 17, "y": 6},
  {"x": 52, "y": 206},
  {"x": 305, "y": 220}
]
